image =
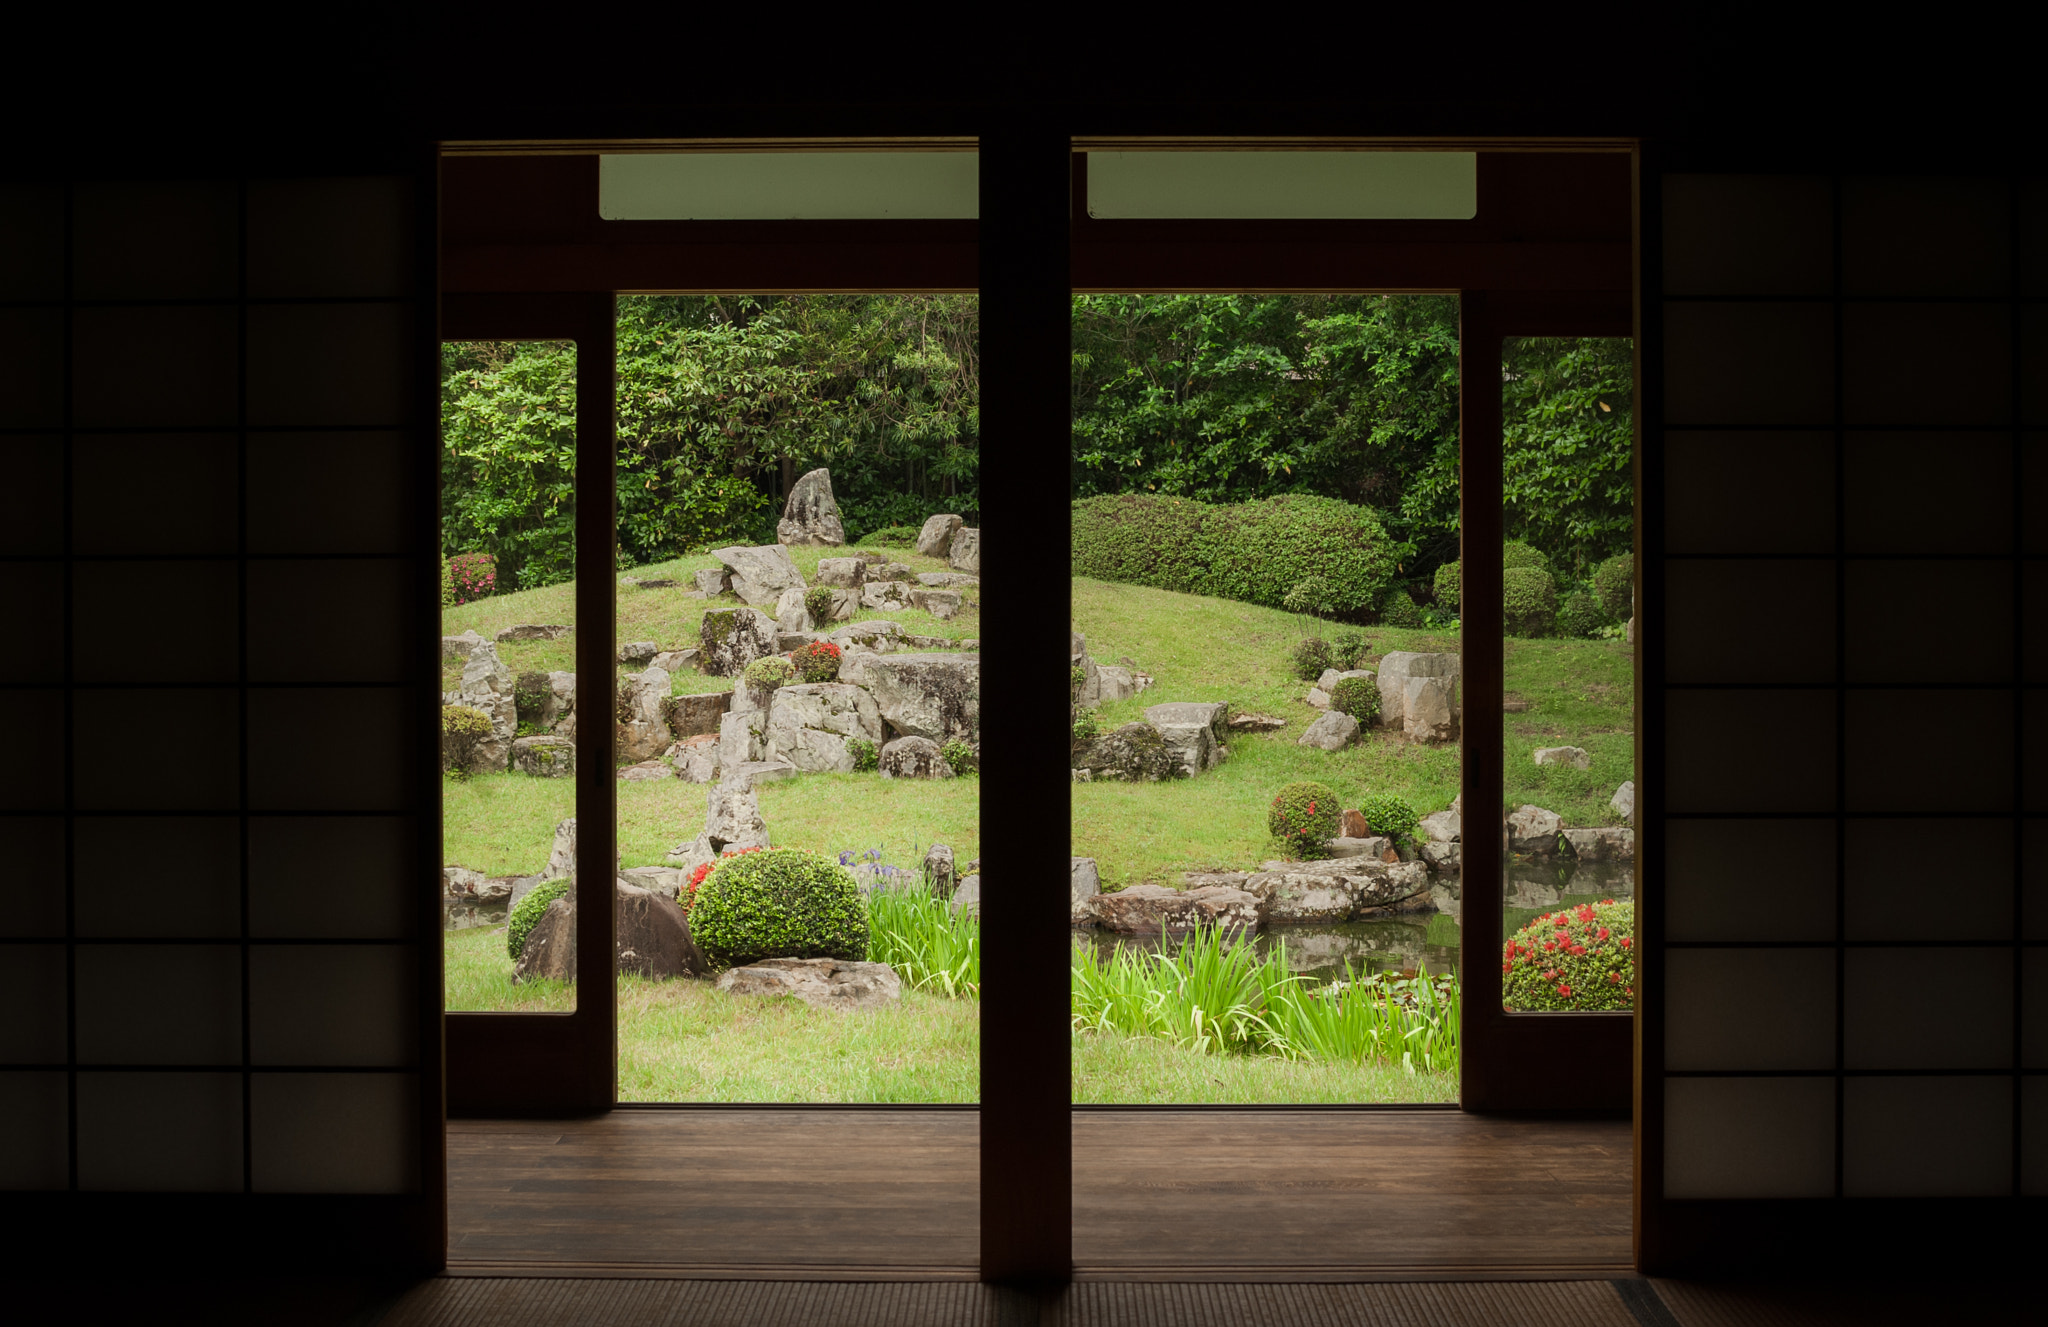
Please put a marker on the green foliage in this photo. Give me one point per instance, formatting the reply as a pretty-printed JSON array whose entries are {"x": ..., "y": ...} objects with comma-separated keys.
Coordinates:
[
  {"x": 960, "y": 757},
  {"x": 1399, "y": 610},
  {"x": 1567, "y": 446},
  {"x": 1614, "y": 582},
  {"x": 779, "y": 903},
  {"x": 1580, "y": 616},
  {"x": 463, "y": 729},
  {"x": 1574, "y": 959},
  {"x": 867, "y": 757},
  {"x": 818, "y": 603},
  {"x": 1528, "y": 601},
  {"x": 1447, "y": 585},
  {"x": 1305, "y": 816},
  {"x": 527, "y": 915},
  {"x": 1348, "y": 651},
  {"x": 1514, "y": 553},
  {"x": 1298, "y": 551},
  {"x": 1389, "y": 815},
  {"x": 1358, "y": 697},
  {"x": 1310, "y": 656},
  {"x": 530, "y": 695},
  {"x": 768, "y": 673},
  {"x": 1087, "y": 727},
  {"x": 930, "y": 946},
  {"x": 817, "y": 661},
  {"x": 893, "y": 536},
  {"x": 508, "y": 457}
]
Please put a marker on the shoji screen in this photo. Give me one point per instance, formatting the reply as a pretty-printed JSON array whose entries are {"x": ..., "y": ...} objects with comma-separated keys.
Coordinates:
[
  {"x": 1854, "y": 892},
  {"x": 210, "y": 966}
]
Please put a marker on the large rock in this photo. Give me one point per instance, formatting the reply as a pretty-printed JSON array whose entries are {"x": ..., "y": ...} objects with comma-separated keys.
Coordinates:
[
  {"x": 941, "y": 604},
  {"x": 882, "y": 637},
  {"x": 714, "y": 581},
  {"x": 1156, "y": 910},
  {"x": 947, "y": 580},
  {"x": 1442, "y": 827},
  {"x": 965, "y": 554},
  {"x": 695, "y": 759},
  {"x": 1533, "y": 830},
  {"x": 790, "y": 613},
  {"x": 461, "y": 883},
  {"x": 742, "y": 736},
  {"x": 550, "y": 951},
  {"x": 1376, "y": 846},
  {"x": 754, "y": 773},
  {"x": 653, "y": 940},
  {"x": 821, "y": 983},
  {"x": 1574, "y": 756},
  {"x": 1194, "y": 730},
  {"x": 544, "y": 757},
  {"x": 558, "y": 710},
  {"x": 1319, "y": 694},
  {"x": 760, "y": 575},
  {"x": 1084, "y": 884},
  {"x": 1134, "y": 753},
  {"x": 1429, "y": 710},
  {"x": 561, "y": 856},
  {"x": 732, "y": 820},
  {"x": 534, "y": 631},
  {"x": 638, "y": 653},
  {"x": 732, "y": 638},
  {"x": 1443, "y": 858},
  {"x": 1256, "y": 723},
  {"x": 938, "y": 868},
  {"x": 644, "y": 734},
  {"x": 810, "y": 724},
  {"x": 1088, "y": 689},
  {"x": 460, "y": 647},
  {"x": 886, "y": 596},
  {"x": 1113, "y": 682},
  {"x": 810, "y": 516},
  {"x": 1397, "y": 667},
  {"x": 1304, "y": 892},
  {"x": 487, "y": 686},
  {"x": 1624, "y": 801},
  {"x": 700, "y": 713},
  {"x": 1605, "y": 843},
  {"x": 935, "y": 540},
  {"x": 846, "y": 572},
  {"x": 1332, "y": 731},
  {"x": 914, "y": 758},
  {"x": 967, "y": 895},
  {"x": 928, "y": 695}
]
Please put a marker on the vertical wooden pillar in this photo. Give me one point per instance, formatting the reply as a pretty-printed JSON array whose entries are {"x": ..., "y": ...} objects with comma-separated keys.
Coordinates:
[{"x": 1026, "y": 302}]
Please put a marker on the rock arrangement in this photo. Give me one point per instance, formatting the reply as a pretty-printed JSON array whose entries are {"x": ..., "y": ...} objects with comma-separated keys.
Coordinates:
[{"x": 810, "y": 516}]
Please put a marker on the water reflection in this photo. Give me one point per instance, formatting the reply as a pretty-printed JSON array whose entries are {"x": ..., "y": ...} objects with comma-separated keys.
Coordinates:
[{"x": 463, "y": 915}]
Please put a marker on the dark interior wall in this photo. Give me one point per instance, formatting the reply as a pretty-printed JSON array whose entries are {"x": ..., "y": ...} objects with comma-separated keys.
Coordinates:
[{"x": 255, "y": 216}]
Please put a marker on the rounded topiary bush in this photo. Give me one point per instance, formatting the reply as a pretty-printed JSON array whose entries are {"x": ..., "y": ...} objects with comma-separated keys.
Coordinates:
[
  {"x": 1580, "y": 616},
  {"x": 1446, "y": 586},
  {"x": 893, "y": 536},
  {"x": 764, "y": 677},
  {"x": 1348, "y": 651},
  {"x": 1614, "y": 581},
  {"x": 1528, "y": 601},
  {"x": 1306, "y": 817},
  {"x": 1358, "y": 697},
  {"x": 1310, "y": 656},
  {"x": 464, "y": 728},
  {"x": 527, "y": 915},
  {"x": 817, "y": 661},
  {"x": 1515, "y": 553},
  {"x": 779, "y": 903},
  {"x": 1575, "y": 959},
  {"x": 1389, "y": 815},
  {"x": 818, "y": 603},
  {"x": 1399, "y": 610}
]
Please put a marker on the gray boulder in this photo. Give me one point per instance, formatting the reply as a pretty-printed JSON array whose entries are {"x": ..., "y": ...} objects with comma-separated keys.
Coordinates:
[
  {"x": 821, "y": 983},
  {"x": 938, "y": 868},
  {"x": 885, "y": 596},
  {"x": 487, "y": 686},
  {"x": 760, "y": 575},
  {"x": 1116, "y": 683},
  {"x": 695, "y": 759},
  {"x": 1623, "y": 802},
  {"x": 1194, "y": 732},
  {"x": 699, "y": 713},
  {"x": 845, "y": 572},
  {"x": 544, "y": 757},
  {"x": 1397, "y": 667},
  {"x": 638, "y": 653},
  {"x": 742, "y": 737},
  {"x": 790, "y": 613},
  {"x": 810, "y": 516},
  {"x": 1533, "y": 830},
  {"x": 965, "y": 554},
  {"x": 754, "y": 773},
  {"x": 914, "y": 758},
  {"x": 927, "y": 695},
  {"x": 550, "y": 952},
  {"x": 1604, "y": 843},
  {"x": 1134, "y": 753},
  {"x": 1574, "y": 756},
  {"x": 947, "y": 580},
  {"x": 714, "y": 581},
  {"x": 663, "y": 881},
  {"x": 877, "y": 635},
  {"x": 1331, "y": 731},
  {"x": 935, "y": 540},
  {"x": 1303, "y": 892},
  {"x": 460, "y": 647},
  {"x": 644, "y": 735},
  {"x": 1442, "y": 827},
  {"x": 1083, "y": 885},
  {"x": 558, "y": 711},
  {"x": 653, "y": 940},
  {"x": 810, "y": 724},
  {"x": 1442, "y": 858},
  {"x": 1319, "y": 694},
  {"x": 732, "y": 638},
  {"x": 534, "y": 631},
  {"x": 1429, "y": 710},
  {"x": 675, "y": 661},
  {"x": 941, "y": 604},
  {"x": 1256, "y": 723},
  {"x": 1147, "y": 910},
  {"x": 967, "y": 895},
  {"x": 1088, "y": 692},
  {"x": 1376, "y": 846}
]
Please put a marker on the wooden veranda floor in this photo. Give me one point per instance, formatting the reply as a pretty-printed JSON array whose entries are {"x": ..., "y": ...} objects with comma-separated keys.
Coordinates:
[{"x": 1284, "y": 1195}]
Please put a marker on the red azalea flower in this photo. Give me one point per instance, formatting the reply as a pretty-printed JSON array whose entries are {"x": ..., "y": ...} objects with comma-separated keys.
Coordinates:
[
  {"x": 1563, "y": 989},
  {"x": 1603, "y": 933},
  {"x": 1624, "y": 942}
]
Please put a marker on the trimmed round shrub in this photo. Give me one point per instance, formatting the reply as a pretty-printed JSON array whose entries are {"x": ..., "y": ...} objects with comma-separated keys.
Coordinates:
[
  {"x": 463, "y": 729},
  {"x": 893, "y": 536},
  {"x": 816, "y": 662},
  {"x": 1446, "y": 586},
  {"x": 1514, "y": 553},
  {"x": 1348, "y": 651},
  {"x": 764, "y": 677},
  {"x": 1358, "y": 697},
  {"x": 779, "y": 903},
  {"x": 1580, "y": 616},
  {"x": 1399, "y": 610},
  {"x": 527, "y": 915},
  {"x": 1310, "y": 656},
  {"x": 1305, "y": 816},
  {"x": 1528, "y": 601},
  {"x": 1389, "y": 815},
  {"x": 818, "y": 603},
  {"x": 867, "y": 757},
  {"x": 1614, "y": 581},
  {"x": 1140, "y": 539},
  {"x": 1574, "y": 959}
]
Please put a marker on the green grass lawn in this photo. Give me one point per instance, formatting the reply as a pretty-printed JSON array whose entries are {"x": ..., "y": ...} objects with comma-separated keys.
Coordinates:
[
  {"x": 1119, "y": 1070},
  {"x": 1202, "y": 649}
]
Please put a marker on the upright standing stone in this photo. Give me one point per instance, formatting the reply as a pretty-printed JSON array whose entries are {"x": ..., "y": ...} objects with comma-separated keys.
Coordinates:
[
  {"x": 487, "y": 686},
  {"x": 811, "y": 516},
  {"x": 732, "y": 638},
  {"x": 965, "y": 554},
  {"x": 936, "y": 539},
  {"x": 1398, "y": 666}
]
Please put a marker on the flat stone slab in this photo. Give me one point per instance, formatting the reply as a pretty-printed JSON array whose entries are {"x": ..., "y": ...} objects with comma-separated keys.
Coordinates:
[
  {"x": 1156, "y": 910},
  {"x": 534, "y": 631},
  {"x": 822, "y": 983}
]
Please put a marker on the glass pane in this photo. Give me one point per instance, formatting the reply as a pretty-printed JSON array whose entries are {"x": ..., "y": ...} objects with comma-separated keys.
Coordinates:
[
  {"x": 798, "y": 606},
  {"x": 788, "y": 186},
  {"x": 1264, "y": 488},
  {"x": 508, "y": 659},
  {"x": 1568, "y": 591},
  {"x": 1284, "y": 185}
]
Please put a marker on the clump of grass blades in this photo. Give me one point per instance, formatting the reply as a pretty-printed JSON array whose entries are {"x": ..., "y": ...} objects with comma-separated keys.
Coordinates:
[
  {"x": 920, "y": 936},
  {"x": 1218, "y": 996}
]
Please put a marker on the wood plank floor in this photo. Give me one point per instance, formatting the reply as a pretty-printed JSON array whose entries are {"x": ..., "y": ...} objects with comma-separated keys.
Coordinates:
[{"x": 1198, "y": 1192}]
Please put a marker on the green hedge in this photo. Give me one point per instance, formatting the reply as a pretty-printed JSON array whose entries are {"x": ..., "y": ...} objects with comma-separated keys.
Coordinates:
[
  {"x": 779, "y": 903},
  {"x": 1254, "y": 552},
  {"x": 1528, "y": 601},
  {"x": 1615, "y": 581}
]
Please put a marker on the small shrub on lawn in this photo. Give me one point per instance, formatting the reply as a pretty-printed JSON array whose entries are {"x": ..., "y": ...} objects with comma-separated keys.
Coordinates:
[
  {"x": 1399, "y": 610},
  {"x": 1580, "y": 616},
  {"x": 867, "y": 757},
  {"x": 818, "y": 603},
  {"x": 1087, "y": 727},
  {"x": 1389, "y": 815},
  {"x": 1313, "y": 594},
  {"x": 893, "y": 536},
  {"x": 468, "y": 577},
  {"x": 1310, "y": 656},
  {"x": 1305, "y": 816},
  {"x": 960, "y": 757},
  {"x": 1528, "y": 601},
  {"x": 1348, "y": 651},
  {"x": 764, "y": 677},
  {"x": 1447, "y": 585},
  {"x": 816, "y": 662},
  {"x": 463, "y": 730},
  {"x": 1614, "y": 582},
  {"x": 779, "y": 903},
  {"x": 1574, "y": 959},
  {"x": 1517, "y": 554},
  {"x": 1358, "y": 697},
  {"x": 527, "y": 915}
]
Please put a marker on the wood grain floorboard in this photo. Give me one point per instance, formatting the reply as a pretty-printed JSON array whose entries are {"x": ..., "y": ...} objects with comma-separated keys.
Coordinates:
[{"x": 1203, "y": 1191}]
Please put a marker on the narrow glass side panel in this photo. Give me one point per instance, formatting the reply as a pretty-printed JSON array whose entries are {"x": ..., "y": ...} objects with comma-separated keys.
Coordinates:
[
  {"x": 1568, "y": 592},
  {"x": 508, "y": 655},
  {"x": 798, "y": 591},
  {"x": 1284, "y": 186},
  {"x": 1265, "y": 840},
  {"x": 789, "y": 186}
]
